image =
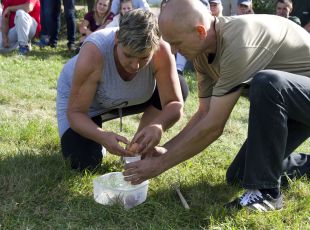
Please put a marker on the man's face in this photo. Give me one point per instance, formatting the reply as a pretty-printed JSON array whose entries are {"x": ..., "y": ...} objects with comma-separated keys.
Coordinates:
[
  {"x": 132, "y": 62},
  {"x": 184, "y": 42},
  {"x": 283, "y": 10}
]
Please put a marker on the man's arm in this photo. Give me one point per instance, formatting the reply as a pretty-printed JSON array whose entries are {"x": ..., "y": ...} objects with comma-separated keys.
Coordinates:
[
  {"x": 201, "y": 132},
  {"x": 208, "y": 129},
  {"x": 27, "y": 7}
]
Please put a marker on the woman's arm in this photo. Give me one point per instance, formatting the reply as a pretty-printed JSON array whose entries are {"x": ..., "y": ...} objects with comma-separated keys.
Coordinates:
[
  {"x": 83, "y": 28},
  {"x": 87, "y": 74},
  {"x": 168, "y": 85},
  {"x": 170, "y": 96}
]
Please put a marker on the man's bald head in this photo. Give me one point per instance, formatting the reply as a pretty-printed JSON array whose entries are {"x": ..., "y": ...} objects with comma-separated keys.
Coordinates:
[
  {"x": 186, "y": 26},
  {"x": 182, "y": 15}
]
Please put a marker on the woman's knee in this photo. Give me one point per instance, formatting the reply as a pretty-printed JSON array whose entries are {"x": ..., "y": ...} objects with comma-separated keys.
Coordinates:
[{"x": 81, "y": 153}]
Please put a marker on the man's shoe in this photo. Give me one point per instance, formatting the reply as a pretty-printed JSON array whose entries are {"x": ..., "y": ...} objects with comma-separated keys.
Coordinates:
[
  {"x": 71, "y": 47},
  {"x": 296, "y": 165},
  {"x": 255, "y": 200},
  {"x": 53, "y": 45},
  {"x": 42, "y": 43},
  {"x": 23, "y": 50}
]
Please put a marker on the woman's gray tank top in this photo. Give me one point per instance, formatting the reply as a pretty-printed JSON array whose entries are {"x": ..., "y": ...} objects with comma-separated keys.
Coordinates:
[{"x": 112, "y": 91}]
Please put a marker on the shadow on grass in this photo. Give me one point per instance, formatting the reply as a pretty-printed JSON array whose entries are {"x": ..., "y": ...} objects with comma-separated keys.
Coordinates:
[{"x": 40, "y": 190}]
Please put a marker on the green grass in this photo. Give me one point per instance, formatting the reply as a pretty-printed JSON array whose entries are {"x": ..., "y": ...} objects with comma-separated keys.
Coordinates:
[{"x": 38, "y": 191}]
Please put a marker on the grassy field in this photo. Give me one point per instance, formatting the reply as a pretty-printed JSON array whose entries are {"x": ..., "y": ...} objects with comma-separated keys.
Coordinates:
[{"x": 38, "y": 191}]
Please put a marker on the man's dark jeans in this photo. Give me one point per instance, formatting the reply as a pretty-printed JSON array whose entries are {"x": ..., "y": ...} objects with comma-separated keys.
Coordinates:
[
  {"x": 279, "y": 122},
  {"x": 53, "y": 19}
]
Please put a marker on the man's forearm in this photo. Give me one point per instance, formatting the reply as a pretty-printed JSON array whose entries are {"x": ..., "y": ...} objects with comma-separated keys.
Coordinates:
[
  {"x": 5, "y": 27},
  {"x": 192, "y": 122},
  {"x": 27, "y": 7},
  {"x": 193, "y": 139}
]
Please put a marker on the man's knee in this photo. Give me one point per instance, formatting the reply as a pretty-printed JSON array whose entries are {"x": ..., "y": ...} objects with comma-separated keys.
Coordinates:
[
  {"x": 20, "y": 14},
  {"x": 267, "y": 83},
  {"x": 21, "y": 17}
]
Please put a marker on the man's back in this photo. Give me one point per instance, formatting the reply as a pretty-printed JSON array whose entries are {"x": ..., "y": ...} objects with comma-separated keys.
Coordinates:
[{"x": 247, "y": 44}]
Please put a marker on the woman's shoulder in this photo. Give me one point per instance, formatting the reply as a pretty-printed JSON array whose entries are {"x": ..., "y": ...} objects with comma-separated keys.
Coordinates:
[{"x": 89, "y": 15}]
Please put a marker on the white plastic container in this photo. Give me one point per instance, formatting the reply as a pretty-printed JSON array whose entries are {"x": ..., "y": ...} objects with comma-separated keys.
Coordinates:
[{"x": 111, "y": 188}]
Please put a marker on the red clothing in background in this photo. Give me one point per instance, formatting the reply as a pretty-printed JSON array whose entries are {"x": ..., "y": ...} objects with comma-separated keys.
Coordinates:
[{"x": 35, "y": 13}]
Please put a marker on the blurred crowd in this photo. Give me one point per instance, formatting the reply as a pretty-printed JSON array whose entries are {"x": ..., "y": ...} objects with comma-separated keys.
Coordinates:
[{"x": 24, "y": 20}]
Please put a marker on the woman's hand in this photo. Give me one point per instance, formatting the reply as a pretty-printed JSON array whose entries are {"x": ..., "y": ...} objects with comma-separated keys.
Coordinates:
[
  {"x": 114, "y": 144},
  {"x": 147, "y": 138}
]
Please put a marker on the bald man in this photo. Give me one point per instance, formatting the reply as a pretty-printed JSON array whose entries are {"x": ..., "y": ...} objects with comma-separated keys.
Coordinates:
[{"x": 264, "y": 53}]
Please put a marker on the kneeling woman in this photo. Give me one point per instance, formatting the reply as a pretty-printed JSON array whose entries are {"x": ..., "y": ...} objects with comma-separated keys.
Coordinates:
[{"x": 118, "y": 72}]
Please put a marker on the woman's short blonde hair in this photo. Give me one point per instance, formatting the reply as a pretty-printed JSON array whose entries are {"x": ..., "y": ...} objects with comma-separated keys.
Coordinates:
[{"x": 138, "y": 30}]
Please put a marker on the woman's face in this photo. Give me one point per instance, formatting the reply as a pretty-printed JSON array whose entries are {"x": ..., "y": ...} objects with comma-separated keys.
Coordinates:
[
  {"x": 102, "y": 6},
  {"x": 125, "y": 7},
  {"x": 132, "y": 63}
]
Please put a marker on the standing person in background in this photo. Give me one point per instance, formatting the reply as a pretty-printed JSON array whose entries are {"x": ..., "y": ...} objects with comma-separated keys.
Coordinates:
[
  {"x": 95, "y": 18},
  {"x": 265, "y": 54},
  {"x": 20, "y": 23},
  {"x": 44, "y": 37},
  {"x": 52, "y": 13},
  {"x": 245, "y": 7},
  {"x": 125, "y": 6},
  {"x": 284, "y": 8},
  {"x": 216, "y": 7},
  {"x": 229, "y": 7},
  {"x": 90, "y": 5}
]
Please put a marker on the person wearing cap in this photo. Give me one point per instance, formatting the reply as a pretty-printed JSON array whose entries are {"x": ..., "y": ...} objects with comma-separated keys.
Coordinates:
[
  {"x": 261, "y": 53},
  {"x": 216, "y": 7},
  {"x": 284, "y": 8},
  {"x": 245, "y": 7}
]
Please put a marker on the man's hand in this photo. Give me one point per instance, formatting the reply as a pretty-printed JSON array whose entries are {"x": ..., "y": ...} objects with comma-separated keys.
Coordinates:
[
  {"x": 145, "y": 169},
  {"x": 6, "y": 13}
]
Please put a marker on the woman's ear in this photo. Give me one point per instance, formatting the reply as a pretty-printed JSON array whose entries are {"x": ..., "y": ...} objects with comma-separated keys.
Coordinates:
[{"x": 202, "y": 32}]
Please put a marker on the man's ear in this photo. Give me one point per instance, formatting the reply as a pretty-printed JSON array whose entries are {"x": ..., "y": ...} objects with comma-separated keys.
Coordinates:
[{"x": 202, "y": 32}]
